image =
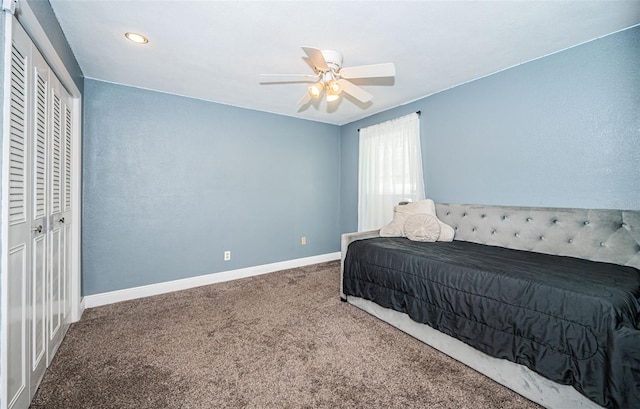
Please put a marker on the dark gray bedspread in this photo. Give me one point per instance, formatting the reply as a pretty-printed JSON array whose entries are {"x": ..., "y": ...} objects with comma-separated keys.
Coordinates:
[{"x": 574, "y": 321}]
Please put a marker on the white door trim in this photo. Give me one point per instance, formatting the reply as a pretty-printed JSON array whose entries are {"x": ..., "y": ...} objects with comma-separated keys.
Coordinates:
[
  {"x": 28, "y": 19},
  {"x": 77, "y": 302},
  {"x": 4, "y": 259}
]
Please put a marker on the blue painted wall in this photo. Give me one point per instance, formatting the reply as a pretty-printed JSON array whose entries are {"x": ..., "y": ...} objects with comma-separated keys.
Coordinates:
[
  {"x": 560, "y": 131},
  {"x": 170, "y": 183}
]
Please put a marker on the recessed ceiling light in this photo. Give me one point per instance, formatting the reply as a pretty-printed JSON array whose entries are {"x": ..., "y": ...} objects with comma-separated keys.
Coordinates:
[{"x": 137, "y": 38}]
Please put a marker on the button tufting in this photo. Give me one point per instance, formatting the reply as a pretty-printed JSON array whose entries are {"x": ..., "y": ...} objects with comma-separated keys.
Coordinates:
[
  {"x": 517, "y": 234},
  {"x": 464, "y": 214},
  {"x": 528, "y": 219},
  {"x": 504, "y": 217},
  {"x": 493, "y": 232},
  {"x": 541, "y": 237},
  {"x": 483, "y": 216},
  {"x": 448, "y": 213},
  {"x": 586, "y": 223},
  {"x": 601, "y": 244},
  {"x": 570, "y": 240},
  {"x": 554, "y": 221},
  {"x": 474, "y": 229}
]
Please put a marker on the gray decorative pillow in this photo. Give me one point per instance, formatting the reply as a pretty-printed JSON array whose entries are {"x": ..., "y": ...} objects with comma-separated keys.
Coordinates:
[{"x": 422, "y": 227}]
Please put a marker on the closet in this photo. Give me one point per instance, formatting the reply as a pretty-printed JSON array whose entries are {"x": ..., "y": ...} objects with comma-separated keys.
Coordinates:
[{"x": 37, "y": 218}]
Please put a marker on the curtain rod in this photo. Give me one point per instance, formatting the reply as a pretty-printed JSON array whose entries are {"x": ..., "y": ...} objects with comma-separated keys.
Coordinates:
[{"x": 417, "y": 112}]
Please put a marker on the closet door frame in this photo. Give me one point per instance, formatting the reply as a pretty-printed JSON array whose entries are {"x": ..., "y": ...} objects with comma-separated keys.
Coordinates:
[
  {"x": 30, "y": 23},
  {"x": 32, "y": 26}
]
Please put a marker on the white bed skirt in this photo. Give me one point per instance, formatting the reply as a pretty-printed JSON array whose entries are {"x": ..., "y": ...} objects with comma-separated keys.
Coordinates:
[{"x": 514, "y": 376}]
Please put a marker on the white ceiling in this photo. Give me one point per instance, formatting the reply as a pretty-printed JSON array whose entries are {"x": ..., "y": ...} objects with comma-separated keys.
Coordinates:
[{"x": 215, "y": 50}]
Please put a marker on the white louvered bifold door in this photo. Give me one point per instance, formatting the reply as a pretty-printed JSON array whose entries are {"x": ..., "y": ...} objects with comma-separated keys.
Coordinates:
[
  {"x": 66, "y": 220},
  {"x": 16, "y": 169},
  {"x": 37, "y": 173},
  {"x": 40, "y": 258},
  {"x": 56, "y": 221},
  {"x": 40, "y": 242}
]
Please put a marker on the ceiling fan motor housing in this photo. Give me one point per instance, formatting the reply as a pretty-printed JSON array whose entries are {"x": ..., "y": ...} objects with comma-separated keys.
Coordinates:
[{"x": 333, "y": 59}]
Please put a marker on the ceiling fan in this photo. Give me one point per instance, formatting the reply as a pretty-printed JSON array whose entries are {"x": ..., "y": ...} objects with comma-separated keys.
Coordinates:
[{"x": 331, "y": 78}]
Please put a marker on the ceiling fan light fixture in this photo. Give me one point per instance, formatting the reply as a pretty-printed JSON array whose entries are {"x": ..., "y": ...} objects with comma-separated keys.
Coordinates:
[
  {"x": 332, "y": 97},
  {"x": 136, "y": 38},
  {"x": 316, "y": 89},
  {"x": 335, "y": 87}
]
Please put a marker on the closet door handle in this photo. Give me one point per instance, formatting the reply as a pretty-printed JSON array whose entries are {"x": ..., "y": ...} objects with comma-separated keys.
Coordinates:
[
  {"x": 38, "y": 229},
  {"x": 61, "y": 220}
]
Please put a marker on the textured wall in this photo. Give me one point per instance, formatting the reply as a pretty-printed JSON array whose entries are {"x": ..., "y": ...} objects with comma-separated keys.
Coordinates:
[
  {"x": 560, "y": 131},
  {"x": 170, "y": 183}
]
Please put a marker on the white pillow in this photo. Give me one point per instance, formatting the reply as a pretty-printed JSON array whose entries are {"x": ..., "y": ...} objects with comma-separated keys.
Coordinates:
[
  {"x": 402, "y": 212},
  {"x": 422, "y": 227}
]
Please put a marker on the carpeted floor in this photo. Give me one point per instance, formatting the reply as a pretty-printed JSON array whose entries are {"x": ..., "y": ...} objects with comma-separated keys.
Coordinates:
[{"x": 281, "y": 340}]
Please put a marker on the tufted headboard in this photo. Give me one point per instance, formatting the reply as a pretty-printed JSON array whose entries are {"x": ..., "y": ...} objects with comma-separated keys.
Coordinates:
[{"x": 612, "y": 236}]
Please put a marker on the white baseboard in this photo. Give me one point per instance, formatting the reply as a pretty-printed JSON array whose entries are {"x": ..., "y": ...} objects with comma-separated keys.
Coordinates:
[
  {"x": 111, "y": 297},
  {"x": 76, "y": 315}
]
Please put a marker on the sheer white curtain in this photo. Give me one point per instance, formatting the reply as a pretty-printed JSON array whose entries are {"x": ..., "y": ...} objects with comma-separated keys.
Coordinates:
[{"x": 390, "y": 169}]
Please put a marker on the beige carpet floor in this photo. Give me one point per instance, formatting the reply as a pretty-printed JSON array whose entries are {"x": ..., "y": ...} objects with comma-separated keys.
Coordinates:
[{"x": 280, "y": 340}]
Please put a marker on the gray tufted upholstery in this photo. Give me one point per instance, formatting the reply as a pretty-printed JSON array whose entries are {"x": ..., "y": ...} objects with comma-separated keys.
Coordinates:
[{"x": 599, "y": 235}]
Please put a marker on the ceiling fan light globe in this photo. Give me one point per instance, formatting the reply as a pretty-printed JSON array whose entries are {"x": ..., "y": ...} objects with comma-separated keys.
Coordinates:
[
  {"x": 335, "y": 87},
  {"x": 316, "y": 89},
  {"x": 332, "y": 97}
]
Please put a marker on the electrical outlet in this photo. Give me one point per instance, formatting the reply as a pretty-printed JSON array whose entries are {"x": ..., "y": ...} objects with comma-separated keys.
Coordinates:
[
  {"x": 227, "y": 255},
  {"x": 303, "y": 241}
]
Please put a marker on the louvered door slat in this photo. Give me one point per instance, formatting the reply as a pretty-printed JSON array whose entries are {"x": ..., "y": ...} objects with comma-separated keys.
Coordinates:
[
  {"x": 56, "y": 178},
  {"x": 40, "y": 150},
  {"x": 67, "y": 158},
  {"x": 17, "y": 139}
]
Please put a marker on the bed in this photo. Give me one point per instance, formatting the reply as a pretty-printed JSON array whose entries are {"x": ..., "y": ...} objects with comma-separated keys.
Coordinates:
[{"x": 545, "y": 301}]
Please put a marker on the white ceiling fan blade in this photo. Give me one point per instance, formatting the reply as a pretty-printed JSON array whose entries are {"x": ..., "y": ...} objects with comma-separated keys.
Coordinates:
[
  {"x": 305, "y": 99},
  {"x": 316, "y": 57},
  {"x": 369, "y": 71},
  {"x": 355, "y": 91},
  {"x": 288, "y": 78}
]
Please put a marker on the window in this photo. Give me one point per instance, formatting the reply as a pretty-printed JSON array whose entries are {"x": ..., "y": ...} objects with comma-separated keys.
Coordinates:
[{"x": 390, "y": 169}]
